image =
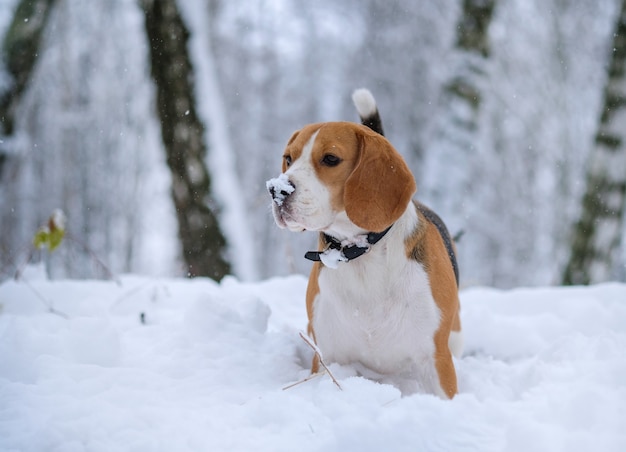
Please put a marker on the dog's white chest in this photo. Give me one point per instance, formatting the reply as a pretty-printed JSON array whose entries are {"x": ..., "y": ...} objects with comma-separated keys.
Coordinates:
[{"x": 378, "y": 318}]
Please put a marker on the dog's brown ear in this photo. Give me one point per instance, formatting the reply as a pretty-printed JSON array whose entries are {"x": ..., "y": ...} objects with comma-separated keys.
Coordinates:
[{"x": 380, "y": 186}]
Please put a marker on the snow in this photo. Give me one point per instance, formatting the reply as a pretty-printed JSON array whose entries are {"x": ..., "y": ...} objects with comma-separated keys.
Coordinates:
[
  {"x": 331, "y": 258},
  {"x": 148, "y": 364},
  {"x": 281, "y": 188}
]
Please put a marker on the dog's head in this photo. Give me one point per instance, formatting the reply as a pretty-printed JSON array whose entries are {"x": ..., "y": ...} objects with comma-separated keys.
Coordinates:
[{"x": 340, "y": 178}]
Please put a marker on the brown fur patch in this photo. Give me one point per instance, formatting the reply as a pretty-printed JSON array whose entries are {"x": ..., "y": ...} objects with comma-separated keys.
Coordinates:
[
  {"x": 426, "y": 246},
  {"x": 293, "y": 137},
  {"x": 312, "y": 290}
]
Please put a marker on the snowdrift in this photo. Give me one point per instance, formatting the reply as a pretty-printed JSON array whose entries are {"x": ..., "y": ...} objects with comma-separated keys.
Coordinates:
[{"x": 189, "y": 365}]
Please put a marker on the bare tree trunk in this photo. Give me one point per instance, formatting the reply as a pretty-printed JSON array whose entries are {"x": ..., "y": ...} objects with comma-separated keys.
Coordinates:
[
  {"x": 597, "y": 234},
  {"x": 453, "y": 172},
  {"x": 20, "y": 49},
  {"x": 454, "y": 146},
  {"x": 203, "y": 243}
]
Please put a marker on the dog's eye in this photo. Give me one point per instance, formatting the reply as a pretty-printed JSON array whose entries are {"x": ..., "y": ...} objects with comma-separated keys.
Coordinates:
[
  {"x": 287, "y": 160},
  {"x": 331, "y": 160}
]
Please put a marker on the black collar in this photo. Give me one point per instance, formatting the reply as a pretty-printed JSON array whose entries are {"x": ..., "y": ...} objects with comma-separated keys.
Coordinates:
[{"x": 347, "y": 252}]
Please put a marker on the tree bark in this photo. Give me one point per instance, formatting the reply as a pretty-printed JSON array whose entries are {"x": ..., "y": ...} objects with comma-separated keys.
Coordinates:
[
  {"x": 20, "y": 48},
  {"x": 451, "y": 153},
  {"x": 472, "y": 39},
  {"x": 203, "y": 243},
  {"x": 597, "y": 234},
  {"x": 453, "y": 169}
]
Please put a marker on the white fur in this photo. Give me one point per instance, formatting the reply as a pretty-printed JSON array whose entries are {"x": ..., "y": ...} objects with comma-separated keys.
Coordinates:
[
  {"x": 378, "y": 314},
  {"x": 308, "y": 207},
  {"x": 455, "y": 343},
  {"x": 364, "y": 102}
]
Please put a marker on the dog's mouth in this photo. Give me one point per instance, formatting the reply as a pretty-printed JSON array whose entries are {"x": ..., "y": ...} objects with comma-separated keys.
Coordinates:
[{"x": 285, "y": 220}]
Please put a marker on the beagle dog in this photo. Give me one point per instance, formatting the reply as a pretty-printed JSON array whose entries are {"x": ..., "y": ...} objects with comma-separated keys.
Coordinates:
[{"x": 383, "y": 291}]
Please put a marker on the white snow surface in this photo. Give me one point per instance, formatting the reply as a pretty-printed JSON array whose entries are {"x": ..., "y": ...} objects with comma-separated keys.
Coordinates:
[{"x": 544, "y": 370}]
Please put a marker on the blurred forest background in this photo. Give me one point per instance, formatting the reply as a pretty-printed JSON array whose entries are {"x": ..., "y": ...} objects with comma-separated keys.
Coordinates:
[{"x": 154, "y": 124}]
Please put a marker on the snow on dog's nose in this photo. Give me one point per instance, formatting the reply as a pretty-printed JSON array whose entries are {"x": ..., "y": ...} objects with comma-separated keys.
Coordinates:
[{"x": 280, "y": 187}]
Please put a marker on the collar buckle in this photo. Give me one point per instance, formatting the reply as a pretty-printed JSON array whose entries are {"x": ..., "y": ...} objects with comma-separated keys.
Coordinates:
[{"x": 349, "y": 252}]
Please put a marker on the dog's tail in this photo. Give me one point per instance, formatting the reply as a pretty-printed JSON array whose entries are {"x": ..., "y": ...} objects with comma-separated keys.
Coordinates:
[{"x": 368, "y": 111}]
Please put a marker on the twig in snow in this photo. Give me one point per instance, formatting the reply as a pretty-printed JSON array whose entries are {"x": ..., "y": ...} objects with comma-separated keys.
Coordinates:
[
  {"x": 304, "y": 380},
  {"x": 47, "y": 304},
  {"x": 318, "y": 353},
  {"x": 109, "y": 274}
]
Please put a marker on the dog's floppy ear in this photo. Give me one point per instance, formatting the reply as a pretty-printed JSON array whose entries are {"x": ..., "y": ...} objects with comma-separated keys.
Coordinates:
[{"x": 380, "y": 186}]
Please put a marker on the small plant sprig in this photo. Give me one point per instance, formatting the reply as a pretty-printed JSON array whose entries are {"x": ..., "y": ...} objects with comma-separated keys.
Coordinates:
[
  {"x": 51, "y": 234},
  {"x": 47, "y": 239},
  {"x": 48, "y": 236}
]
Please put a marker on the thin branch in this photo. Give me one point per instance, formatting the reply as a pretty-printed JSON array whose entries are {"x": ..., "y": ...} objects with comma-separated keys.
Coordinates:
[
  {"x": 318, "y": 353},
  {"x": 107, "y": 271},
  {"x": 19, "y": 268},
  {"x": 129, "y": 293},
  {"x": 44, "y": 300},
  {"x": 304, "y": 380}
]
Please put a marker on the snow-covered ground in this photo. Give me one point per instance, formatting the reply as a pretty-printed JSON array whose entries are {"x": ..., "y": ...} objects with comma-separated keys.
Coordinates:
[{"x": 189, "y": 365}]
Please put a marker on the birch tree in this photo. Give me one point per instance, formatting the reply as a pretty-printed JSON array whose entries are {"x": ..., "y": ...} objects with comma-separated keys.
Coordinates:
[
  {"x": 597, "y": 233},
  {"x": 203, "y": 243},
  {"x": 19, "y": 52},
  {"x": 20, "y": 48},
  {"x": 454, "y": 145},
  {"x": 452, "y": 165}
]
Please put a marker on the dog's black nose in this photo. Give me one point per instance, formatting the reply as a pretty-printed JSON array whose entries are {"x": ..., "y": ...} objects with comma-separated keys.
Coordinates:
[
  {"x": 280, "y": 187},
  {"x": 282, "y": 192}
]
